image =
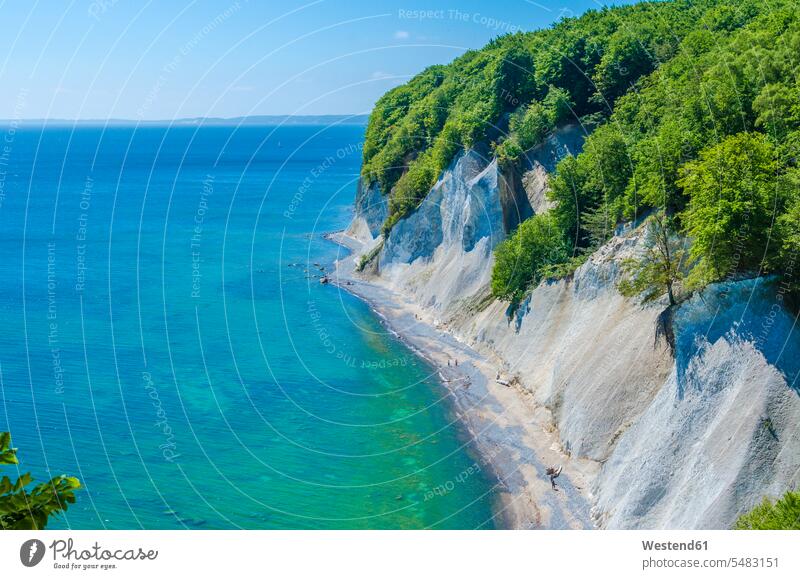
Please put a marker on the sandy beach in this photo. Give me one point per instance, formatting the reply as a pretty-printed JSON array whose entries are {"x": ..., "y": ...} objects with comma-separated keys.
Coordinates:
[{"x": 515, "y": 438}]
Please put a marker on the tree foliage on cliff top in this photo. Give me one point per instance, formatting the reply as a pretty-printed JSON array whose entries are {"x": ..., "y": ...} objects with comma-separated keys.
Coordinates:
[
  {"x": 580, "y": 65},
  {"x": 712, "y": 137},
  {"x": 699, "y": 116}
]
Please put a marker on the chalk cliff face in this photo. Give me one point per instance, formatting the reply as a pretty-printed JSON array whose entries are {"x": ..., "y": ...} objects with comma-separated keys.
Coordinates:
[
  {"x": 371, "y": 210},
  {"x": 689, "y": 440},
  {"x": 723, "y": 429},
  {"x": 442, "y": 253},
  {"x": 450, "y": 236}
]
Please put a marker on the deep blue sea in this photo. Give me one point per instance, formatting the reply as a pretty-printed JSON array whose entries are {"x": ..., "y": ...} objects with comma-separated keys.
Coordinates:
[{"x": 162, "y": 341}]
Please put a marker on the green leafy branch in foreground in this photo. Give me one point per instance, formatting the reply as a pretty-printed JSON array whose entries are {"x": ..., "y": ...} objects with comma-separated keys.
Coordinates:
[
  {"x": 784, "y": 514},
  {"x": 22, "y": 509}
]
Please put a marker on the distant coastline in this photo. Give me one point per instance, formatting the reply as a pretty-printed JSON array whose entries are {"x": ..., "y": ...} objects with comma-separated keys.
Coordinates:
[{"x": 256, "y": 120}]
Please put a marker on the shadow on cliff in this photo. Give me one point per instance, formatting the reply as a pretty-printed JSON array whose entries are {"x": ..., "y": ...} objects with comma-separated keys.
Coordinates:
[{"x": 752, "y": 311}]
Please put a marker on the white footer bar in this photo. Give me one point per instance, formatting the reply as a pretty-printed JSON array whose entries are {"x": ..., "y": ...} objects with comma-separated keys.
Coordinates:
[{"x": 400, "y": 554}]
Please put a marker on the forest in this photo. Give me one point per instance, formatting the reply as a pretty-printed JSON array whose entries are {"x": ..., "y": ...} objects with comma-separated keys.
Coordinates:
[{"x": 693, "y": 120}]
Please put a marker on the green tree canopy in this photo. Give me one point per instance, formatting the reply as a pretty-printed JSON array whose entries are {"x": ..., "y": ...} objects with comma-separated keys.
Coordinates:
[
  {"x": 515, "y": 89},
  {"x": 522, "y": 259},
  {"x": 734, "y": 200}
]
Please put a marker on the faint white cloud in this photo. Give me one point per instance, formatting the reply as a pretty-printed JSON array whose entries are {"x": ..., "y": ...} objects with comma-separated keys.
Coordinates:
[{"x": 402, "y": 35}]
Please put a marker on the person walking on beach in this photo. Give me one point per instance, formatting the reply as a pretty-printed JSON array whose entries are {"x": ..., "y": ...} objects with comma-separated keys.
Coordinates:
[{"x": 553, "y": 473}]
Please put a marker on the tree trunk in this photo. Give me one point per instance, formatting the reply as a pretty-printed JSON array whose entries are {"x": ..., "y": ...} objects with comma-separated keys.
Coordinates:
[{"x": 670, "y": 294}]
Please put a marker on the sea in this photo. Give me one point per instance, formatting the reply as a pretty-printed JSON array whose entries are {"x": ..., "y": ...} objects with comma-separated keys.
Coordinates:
[{"x": 166, "y": 339}]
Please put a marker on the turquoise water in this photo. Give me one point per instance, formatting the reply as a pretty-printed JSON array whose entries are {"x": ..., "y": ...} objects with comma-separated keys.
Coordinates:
[{"x": 162, "y": 342}]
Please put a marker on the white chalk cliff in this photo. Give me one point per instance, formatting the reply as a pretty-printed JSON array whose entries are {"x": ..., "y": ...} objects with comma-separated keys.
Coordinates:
[{"x": 685, "y": 440}]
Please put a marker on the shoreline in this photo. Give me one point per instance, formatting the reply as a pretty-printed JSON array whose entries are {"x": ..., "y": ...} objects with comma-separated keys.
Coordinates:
[
  {"x": 471, "y": 440},
  {"x": 513, "y": 437}
]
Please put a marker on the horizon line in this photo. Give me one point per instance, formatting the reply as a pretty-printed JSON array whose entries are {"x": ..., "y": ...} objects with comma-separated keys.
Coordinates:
[{"x": 355, "y": 118}]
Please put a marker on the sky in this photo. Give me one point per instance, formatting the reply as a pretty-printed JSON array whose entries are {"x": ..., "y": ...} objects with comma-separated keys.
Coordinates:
[{"x": 163, "y": 60}]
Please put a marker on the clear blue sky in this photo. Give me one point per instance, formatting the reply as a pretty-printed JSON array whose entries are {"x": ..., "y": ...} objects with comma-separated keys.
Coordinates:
[{"x": 167, "y": 59}]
